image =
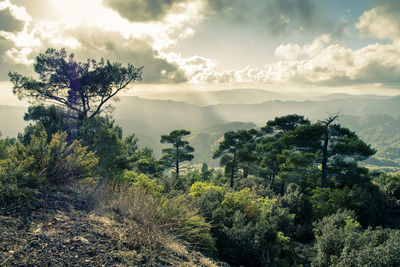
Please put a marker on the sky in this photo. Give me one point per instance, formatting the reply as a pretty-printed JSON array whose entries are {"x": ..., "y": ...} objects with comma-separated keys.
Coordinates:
[{"x": 327, "y": 45}]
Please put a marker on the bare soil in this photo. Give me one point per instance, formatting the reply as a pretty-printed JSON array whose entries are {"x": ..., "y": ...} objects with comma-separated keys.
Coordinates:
[{"x": 67, "y": 233}]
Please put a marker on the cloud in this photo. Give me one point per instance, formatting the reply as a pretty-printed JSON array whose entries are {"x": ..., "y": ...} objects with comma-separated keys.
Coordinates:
[
  {"x": 94, "y": 42},
  {"x": 8, "y": 22},
  {"x": 381, "y": 22},
  {"x": 274, "y": 16},
  {"x": 295, "y": 51},
  {"x": 232, "y": 11},
  {"x": 115, "y": 39},
  {"x": 13, "y": 18},
  {"x": 280, "y": 15},
  {"x": 7, "y": 61},
  {"x": 319, "y": 63},
  {"x": 37, "y": 8},
  {"x": 142, "y": 10},
  {"x": 193, "y": 67}
]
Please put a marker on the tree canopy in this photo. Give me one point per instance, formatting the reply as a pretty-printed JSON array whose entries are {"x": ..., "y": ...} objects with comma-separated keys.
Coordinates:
[
  {"x": 179, "y": 152},
  {"x": 83, "y": 89}
]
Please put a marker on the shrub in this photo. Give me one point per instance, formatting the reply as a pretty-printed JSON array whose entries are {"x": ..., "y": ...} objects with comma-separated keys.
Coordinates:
[
  {"x": 390, "y": 184},
  {"x": 299, "y": 204},
  {"x": 249, "y": 230},
  {"x": 156, "y": 214},
  {"x": 42, "y": 165},
  {"x": 340, "y": 241},
  {"x": 198, "y": 188},
  {"x": 141, "y": 180},
  {"x": 366, "y": 200}
]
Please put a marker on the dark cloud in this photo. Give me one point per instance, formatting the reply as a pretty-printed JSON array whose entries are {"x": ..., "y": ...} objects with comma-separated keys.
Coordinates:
[
  {"x": 98, "y": 43},
  {"x": 6, "y": 63},
  {"x": 9, "y": 23},
  {"x": 282, "y": 14},
  {"x": 142, "y": 10},
  {"x": 234, "y": 10},
  {"x": 377, "y": 72},
  {"x": 276, "y": 16}
]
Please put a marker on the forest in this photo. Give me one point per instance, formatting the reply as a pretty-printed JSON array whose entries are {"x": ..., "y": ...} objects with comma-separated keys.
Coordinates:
[{"x": 294, "y": 192}]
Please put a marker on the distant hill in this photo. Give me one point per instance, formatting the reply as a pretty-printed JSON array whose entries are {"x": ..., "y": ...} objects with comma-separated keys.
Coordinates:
[
  {"x": 148, "y": 119},
  {"x": 234, "y": 96},
  {"x": 206, "y": 141},
  {"x": 374, "y": 118},
  {"x": 383, "y": 133}
]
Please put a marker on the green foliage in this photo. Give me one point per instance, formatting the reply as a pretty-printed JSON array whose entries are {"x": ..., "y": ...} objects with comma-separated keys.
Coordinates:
[
  {"x": 115, "y": 153},
  {"x": 297, "y": 167},
  {"x": 340, "y": 241},
  {"x": 42, "y": 165},
  {"x": 49, "y": 118},
  {"x": 82, "y": 89},
  {"x": 287, "y": 123},
  {"x": 300, "y": 205},
  {"x": 330, "y": 236},
  {"x": 331, "y": 144},
  {"x": 236, "y": 150},
  {"x": 249, "y": 230},
  {"x": 179, "y": 152},
  {"x": 5, "y": 146},
  {"x": 141, "y": 180},
  {"x": 274, "y": 157},
  {"x": 367, "y": 202},
  {"x": 198, "y": 188},
  {"x": 146, "y": 163},
  {"x": 185, "y": 221},
  {"x": 390, "y": 184}
]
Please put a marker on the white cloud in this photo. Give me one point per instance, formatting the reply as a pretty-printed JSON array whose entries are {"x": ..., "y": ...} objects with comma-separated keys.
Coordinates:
[
  {"x": 295, "y": 51},
  {"x": 194, "y": 67},
  {"x": 91, "y": 28},
  {"x": 379, "y": 22},
  {"x": 289, "y": 51},
  {"x": 321, "y": 64}
]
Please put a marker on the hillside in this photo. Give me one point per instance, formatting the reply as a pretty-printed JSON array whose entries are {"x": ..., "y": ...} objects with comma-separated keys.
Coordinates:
[
  {"x": 374, "y": 118},
  {"x": 233, "y": 96},
  {"x": 383, "y": 133},
  {"x": 70, "y": 232}
]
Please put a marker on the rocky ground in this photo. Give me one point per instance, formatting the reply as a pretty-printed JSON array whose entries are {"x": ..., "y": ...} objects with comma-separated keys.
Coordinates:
[{"x": 68, "y": 234}]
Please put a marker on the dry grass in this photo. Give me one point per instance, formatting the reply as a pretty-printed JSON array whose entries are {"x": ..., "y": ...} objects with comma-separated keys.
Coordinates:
[{"x": 149, "y": 224}]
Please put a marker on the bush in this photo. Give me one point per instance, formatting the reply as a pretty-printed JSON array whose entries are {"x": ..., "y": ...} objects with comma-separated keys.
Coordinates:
[
  {"x": 115, "y": 153},
  {"x": 249, "y": 230},
  {"x": 42, "y": 166},
  {"x": 198, "y": 188},
  {"x": 299, "y": 204},
  {"x": 366, "y": 200},
  {"x": 340, "y": 241},
  {"x": 390, "y": 184},
  {"x": 141, "y": 180},
  {"x": 156, "y": 214}
]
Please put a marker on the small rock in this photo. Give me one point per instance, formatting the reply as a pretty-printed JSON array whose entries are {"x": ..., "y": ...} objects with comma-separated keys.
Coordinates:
[
  {"x": 80, "y": 239},
  {"x": 35, "y": 244}
]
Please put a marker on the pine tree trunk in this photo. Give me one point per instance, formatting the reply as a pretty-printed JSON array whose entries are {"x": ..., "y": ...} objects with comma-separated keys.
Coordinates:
[
  {"x": 177, "y": 161},
  {"x": 233, "y": 168},
  {"x": 324, "y": 176}
]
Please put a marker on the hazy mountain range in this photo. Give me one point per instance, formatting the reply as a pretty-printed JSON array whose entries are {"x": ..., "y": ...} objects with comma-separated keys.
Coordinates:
[{"x": 375, "y": 118}]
